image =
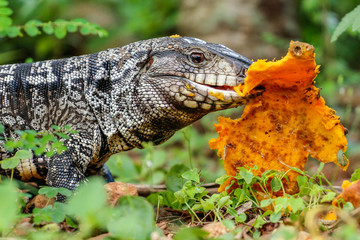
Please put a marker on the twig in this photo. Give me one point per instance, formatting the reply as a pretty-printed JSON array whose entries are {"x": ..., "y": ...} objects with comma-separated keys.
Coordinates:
[{"x": 145, "y": 190}]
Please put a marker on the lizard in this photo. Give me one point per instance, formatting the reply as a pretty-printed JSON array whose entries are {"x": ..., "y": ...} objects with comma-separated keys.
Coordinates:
[{"x": 116, "y": 99}]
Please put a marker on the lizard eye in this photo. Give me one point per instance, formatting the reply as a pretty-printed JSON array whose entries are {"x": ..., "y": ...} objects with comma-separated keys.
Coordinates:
[{"x": 197, "y": 57}]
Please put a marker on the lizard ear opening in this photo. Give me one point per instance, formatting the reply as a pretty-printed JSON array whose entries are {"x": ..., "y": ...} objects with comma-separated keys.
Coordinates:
[{"x": 148, "y": 64}]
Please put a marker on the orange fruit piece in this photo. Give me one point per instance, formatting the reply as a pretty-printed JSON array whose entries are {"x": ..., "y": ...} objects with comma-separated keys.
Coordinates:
[
  {"x": 350, "y": 193},
  {"x": 282, "y": 127}
]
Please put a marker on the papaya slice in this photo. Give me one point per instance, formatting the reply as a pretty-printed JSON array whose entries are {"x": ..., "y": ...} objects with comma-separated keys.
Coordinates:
[{"x": 282, "y": 127}]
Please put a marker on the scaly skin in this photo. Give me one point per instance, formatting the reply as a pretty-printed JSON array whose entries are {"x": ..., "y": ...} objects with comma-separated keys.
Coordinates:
[{"x": 116, "y": 99}]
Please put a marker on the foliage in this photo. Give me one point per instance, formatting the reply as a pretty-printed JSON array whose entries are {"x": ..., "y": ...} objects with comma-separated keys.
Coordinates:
[
  {"x": 30, "y": 142},
  {"x": 9, "y": 207},
  {"x": 350, "y": 19},
  {"x": 35, "y": 27}
]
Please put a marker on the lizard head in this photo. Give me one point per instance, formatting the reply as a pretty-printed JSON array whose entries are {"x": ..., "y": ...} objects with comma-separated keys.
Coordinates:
[
  {"x": 197, "y": 75},
  {"x": 161, "y": 85}
]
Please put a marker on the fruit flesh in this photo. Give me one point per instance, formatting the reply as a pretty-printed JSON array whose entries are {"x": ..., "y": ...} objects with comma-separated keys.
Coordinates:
[{"x": 283, "y": 126}]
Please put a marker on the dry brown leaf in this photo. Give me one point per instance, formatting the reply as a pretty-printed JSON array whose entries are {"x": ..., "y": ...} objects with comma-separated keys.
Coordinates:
[
  {"x": 350, "y": 193},
  {"x": 115, "y": 190}
]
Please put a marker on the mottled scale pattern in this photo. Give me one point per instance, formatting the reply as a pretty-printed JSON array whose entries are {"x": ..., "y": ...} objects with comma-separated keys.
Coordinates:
[{"x": 116, "y": 99}]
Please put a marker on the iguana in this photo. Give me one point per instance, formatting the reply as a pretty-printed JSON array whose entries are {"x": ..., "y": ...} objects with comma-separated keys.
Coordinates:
[{"x": 116, "y": 99}]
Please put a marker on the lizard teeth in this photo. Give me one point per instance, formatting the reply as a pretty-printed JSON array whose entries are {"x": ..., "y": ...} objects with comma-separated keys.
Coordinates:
[
  {"x": 210, "y": 80},
  {"x": 199, "y": 78},
  {"x": 221, "y": 80},
  {"x": 217, "y": 80}
]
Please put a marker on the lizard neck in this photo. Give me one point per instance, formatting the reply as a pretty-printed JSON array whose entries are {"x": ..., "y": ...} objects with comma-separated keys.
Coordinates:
[{"x": 148, "y": 116}]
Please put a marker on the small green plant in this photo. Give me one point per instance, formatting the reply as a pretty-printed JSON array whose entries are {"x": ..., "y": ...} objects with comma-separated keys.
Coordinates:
[
  {"x": 30, "y": 142},
  {"x": 270, "y": 205},
  {"x": 33, "y": 28}
]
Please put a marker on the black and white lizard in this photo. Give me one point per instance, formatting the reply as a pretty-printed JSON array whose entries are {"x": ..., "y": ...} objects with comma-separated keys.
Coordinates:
[{"x": 116, "y": 99}]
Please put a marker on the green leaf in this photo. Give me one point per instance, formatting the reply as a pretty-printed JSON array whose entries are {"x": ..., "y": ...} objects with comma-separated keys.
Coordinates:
[
  {"x": 265, "y": 203},
  {"x": 341, "y": 158},
  {"x": 48, "y": 28},
  {"x": 355, "y": 176},
  {"x": 259, "y": 222},
  {"x": 63, "y": 135},
  {"x": 294, "y": 216},
  {"x": 281, "y": 203},
  {"x": 57, "y": 128},
  {"x": 5, "y": 22},
  {"x": 3, "y": 3},
  {"x": 207, "y": 204},
  {"x": 132, "y": 219},
  {"x": 71, "y": 27},
  {"x": 10, "y": 163},
  {"x": 60, "y": 21},
  {"x": 23, "y": 154},
  {"x": 35, "y": 22},
  {"x": 5, "y": 11},
  {"x": 191, "y": 234},
  {"x": 221, "y": 179},
  {"x": 256, "y": 234},
  {"x": 348, "y": 207},
  {"x": 49, "y": 192},
  {"x": 47, "y": 138},
  {"x": 275, "y": 217},
  {"x": 348, "y": 20},
  {"x": 275, "y": 184},
  {"x": 166, "y": 198},
  {"x": 9, "y": 207},
  {"x": 13, "y": 31},
  {"x": 31, "y": 29},
  {"x": 241, "y": 218},
  {"x": 122, "y": 167},
  {"x": 57, "y": 214},
  {"x": 192, "y": 175},
  {"x": 301, "y": 180},
  {"x": 173, "y": 181},
  {"x": 50, "y": 153},
  {"x": 224, "y": 201},
  {"x": 247, "y": 175},
  {"x": 229, "y": 224},
  {"x": 88, "y": 201},
  {"x": 267, "y": 213},
  {"x": 102, "y": 33},
  {"x": 328, "y": 197},
  {"x": 2, "y": 129},
  {"x": 356, "y": 24},
  {"x": 296, "y": 204},
  {"x": 85, "y": 30},
  {"x": 65, "y": 191},
  {"x": 40, "y": 150},
  {"x": 79, "y": 20},
  {"x": 70, "y": 222},
  {"x": 60, "y": 31}
]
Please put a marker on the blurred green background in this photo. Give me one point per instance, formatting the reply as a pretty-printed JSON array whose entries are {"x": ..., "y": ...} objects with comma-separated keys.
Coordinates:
[{"x": 256, "y": 29}]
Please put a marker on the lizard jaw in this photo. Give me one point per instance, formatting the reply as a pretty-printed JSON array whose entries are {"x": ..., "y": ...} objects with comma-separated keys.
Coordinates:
[
  {"x": 216, "y": 96},
  {"x": 210, "y": 93}
]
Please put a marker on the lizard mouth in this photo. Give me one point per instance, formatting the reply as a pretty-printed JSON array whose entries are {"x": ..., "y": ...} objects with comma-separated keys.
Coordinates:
[
  {"x": 208, "y": 91},
  {"x": 222, "y": 88}
]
